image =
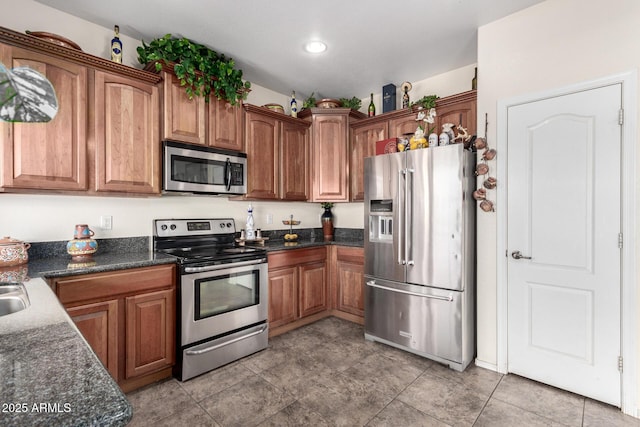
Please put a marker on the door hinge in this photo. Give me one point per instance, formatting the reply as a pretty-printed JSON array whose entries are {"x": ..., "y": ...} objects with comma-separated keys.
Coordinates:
[
  {"x": 620, "y": 363},
  {"x": 620, "y": 241},
  {"x": 621, "y": 116}
]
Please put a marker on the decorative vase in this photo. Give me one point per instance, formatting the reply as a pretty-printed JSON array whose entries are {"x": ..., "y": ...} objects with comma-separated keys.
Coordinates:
[
  {"x": 327, "y": 224},
  {"x": 82, "y": 247}
]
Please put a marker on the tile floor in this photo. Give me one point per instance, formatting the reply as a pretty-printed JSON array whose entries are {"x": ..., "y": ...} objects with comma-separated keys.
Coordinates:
[{"x": 327, "y": 374}]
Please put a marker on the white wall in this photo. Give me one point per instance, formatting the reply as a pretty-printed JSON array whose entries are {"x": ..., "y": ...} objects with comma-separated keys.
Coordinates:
[
  {"x": 52, "y": 217},
  {"x": 553, "y": 44}
]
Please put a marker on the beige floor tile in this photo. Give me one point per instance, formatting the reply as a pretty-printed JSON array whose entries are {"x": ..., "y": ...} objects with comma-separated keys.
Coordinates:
[
  {"x": 400, "y": 414},
  {"x": 247, "y": 403},
  {"x": 448, "y": 401},
  {"x": 598, "y": 414},
  {"x": 501, "y": 414},
  {"x": 192, "y": 416},
  {"x": 157, "y": 401},
  {"x": 481, "y": 381},
  {"x": 217, "y": 380},
  {"x": 296, "y": 374},
  {"x": 546, "y": 401},
  {"x": 340, "y": 355},
  {"x": 296, "y": 415}
]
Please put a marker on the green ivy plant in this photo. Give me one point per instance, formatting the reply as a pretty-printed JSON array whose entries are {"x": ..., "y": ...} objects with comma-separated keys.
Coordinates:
[
  {"x": 426, "y": 102},
  {"x": 202, "y": 71},
  {"x": 310, "y": 102},
  {"x": 353, "y": 103}
]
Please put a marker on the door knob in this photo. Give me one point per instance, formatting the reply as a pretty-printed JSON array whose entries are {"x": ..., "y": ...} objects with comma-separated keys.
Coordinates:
[{"x": 518, "y": 255}]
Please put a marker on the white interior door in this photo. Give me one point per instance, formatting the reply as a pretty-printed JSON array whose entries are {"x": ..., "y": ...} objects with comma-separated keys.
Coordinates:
[{"x": 564, "y": 211}]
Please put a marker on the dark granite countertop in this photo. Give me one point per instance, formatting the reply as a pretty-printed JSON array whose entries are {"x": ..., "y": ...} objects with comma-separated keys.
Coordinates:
[
  {"x": 279, "y": 245},
  {"x": 49, "y": 375},
  {"x": 64, "y": 266}
]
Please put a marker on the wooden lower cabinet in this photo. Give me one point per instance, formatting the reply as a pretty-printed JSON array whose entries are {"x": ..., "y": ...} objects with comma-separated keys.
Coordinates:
[
  {"x": 98, "y": 323},
  {"x": 349, "y": 280},
  {"x": 308, "y": 284},
  {"x": 128, "y": 318},
  {"x": 297, "y": 287}
]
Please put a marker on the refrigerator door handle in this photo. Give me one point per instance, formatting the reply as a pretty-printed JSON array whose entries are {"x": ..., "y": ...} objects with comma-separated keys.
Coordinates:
[
  {"x": 373, "y": 284},
  {"x": 401, "y": 260},
  {"x": 408, "y": 219}
]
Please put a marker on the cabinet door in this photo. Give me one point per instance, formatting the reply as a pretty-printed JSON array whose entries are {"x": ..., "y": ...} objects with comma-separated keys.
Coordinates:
[
  {"x": 462, "y": 113},
  {"x": 294, "y": 162},
  {"x": 150, "y": 332},
  {"x": 53, "y": 155},
  {"x": 282, "y": 296},
  {"x": 363, "y": 144},
  {"x": 98, "y": 324},
  {"x": 350, "y": 277},
  {"x": 405, "y": 124},
  {"x": 263, "y": 147},
  {"x": 126, "y": 127},
  {"x": 184, "y": 118},
  {"x": 330, "y": 159},
  {"x": 313, "y": 288},
  {"x": 225, "y": 125}
]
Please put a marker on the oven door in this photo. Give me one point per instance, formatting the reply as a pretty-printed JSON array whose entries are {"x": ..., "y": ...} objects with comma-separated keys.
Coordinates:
[{"x": 222, "y": 298}]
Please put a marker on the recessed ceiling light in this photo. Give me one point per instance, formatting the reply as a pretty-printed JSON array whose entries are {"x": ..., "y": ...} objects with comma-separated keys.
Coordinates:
[{"x": 315, "y": 46}]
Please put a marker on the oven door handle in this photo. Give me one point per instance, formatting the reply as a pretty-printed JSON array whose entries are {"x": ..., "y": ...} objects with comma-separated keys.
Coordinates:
[
  {"x": 224, "y": 266},
  {"x": 217, "y": 346}
]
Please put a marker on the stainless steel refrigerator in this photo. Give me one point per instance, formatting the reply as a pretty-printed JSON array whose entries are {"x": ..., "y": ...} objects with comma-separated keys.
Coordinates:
[{"x": 420, "y": 252}]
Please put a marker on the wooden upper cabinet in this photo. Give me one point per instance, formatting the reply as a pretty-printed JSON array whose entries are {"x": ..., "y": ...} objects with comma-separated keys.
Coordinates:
[
  {"x": 53, "y": 155},
  {"x": 127, "y": 134},
  {"x": 363, "y": 144},
  {"x": 399, "y": 126},
  {"x": 277, "y": 149},
  {"x": 458, "y": 109},
  {"x": 263, "y": 148},
  {"x": 225, "y": 125},
  {"x": 216, "y": 123},
  {"x": 294, "y": 154},
  {"x": 329, "y": 155},
  {"x": 184, "y": 119}
]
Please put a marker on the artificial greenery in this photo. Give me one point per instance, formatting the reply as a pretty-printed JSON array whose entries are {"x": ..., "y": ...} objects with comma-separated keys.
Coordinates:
[
  {"x": 326, "y": 205},
  {"x": 309, "y": 102},
  {"x": 353, "y": 103},
  {"x": 426, "y": 102},
  {"x": 201, "y": 71}
]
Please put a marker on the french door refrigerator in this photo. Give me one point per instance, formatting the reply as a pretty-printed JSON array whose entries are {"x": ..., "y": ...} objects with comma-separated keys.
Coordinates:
[{"x": 420, "y": 252}]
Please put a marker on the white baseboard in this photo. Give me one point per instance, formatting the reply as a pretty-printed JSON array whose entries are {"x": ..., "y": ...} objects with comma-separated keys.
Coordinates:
[{"x": 490, "y": 366}]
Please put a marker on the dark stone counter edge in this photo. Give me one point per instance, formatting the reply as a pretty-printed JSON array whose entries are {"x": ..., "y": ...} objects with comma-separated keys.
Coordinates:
[{"x": 63, "y": 266}]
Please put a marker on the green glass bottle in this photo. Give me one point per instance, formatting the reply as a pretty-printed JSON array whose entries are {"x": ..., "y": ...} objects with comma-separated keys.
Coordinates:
[{"x": 372, "y": 107}]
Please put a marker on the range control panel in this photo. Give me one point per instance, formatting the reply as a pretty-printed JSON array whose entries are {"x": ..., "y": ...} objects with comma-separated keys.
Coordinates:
[{"x": 193, "y": 227}]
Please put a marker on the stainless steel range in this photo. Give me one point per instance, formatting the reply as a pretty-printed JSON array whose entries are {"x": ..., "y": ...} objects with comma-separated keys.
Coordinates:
[{"x": 222, "y": 295}]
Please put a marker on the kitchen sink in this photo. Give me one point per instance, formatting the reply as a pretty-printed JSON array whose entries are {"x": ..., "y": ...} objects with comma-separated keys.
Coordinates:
[{"x": 13, "y": 298}]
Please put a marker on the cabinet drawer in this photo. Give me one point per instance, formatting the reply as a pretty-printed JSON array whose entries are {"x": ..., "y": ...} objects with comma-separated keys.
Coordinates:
[
  {"x": 296, "y": 256},
  {"x": 107, "y": 285}
]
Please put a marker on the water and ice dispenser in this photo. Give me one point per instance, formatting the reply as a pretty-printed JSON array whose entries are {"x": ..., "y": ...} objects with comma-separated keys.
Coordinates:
[{"x": 381, "y": 221}]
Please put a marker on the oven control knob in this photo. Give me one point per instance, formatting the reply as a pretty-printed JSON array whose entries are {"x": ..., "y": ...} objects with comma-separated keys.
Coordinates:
[
  {"x": 229, "y": 225},
  {"x": 173, "y": 226},
  {"x": 222, "y": 225},
  {"x": 163, "y": 227}
]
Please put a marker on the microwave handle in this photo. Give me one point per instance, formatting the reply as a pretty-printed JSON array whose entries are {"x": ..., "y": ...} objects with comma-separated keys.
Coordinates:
[{"x": 227, "y": 174}]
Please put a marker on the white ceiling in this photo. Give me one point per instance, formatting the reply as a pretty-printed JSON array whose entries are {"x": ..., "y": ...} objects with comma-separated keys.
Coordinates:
[{"x": 370, "y": 42}]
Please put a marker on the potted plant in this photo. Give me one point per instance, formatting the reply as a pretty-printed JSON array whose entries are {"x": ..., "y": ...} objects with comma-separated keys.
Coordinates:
[
  {"x": 427, "y": 102},
  {"x": 202, "y": 71},
  {"x": 354, "y": 103}
]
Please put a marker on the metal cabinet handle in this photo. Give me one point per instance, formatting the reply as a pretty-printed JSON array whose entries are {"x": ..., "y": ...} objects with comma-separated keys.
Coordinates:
[
  {"x": 518, "y": 255},
  {"x": 373, "y": 284},
  {"x": 224, "y": 344}
]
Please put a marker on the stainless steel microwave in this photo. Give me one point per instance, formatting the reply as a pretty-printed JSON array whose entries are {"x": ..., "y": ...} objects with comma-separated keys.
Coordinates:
[{"x": 195, "y": 169}]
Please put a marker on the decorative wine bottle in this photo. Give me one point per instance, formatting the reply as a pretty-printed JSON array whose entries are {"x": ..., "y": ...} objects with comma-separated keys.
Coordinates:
[
  {"x": 116, "y": 46},
  {"x": 294, "y": 105},
  {"x": 250, "y": 232},
  {"x": 372, "y": 107},
  {"x": 474, "y": 81}
]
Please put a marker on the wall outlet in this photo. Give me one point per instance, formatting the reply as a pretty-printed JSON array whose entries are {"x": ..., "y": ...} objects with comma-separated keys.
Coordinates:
[
  {"x": 106, "y": 222},
  {"x": 269, "y": 218}
]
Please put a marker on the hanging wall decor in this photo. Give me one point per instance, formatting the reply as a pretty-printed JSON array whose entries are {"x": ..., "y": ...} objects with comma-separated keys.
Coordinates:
[{"x": 482, "y": 168}]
